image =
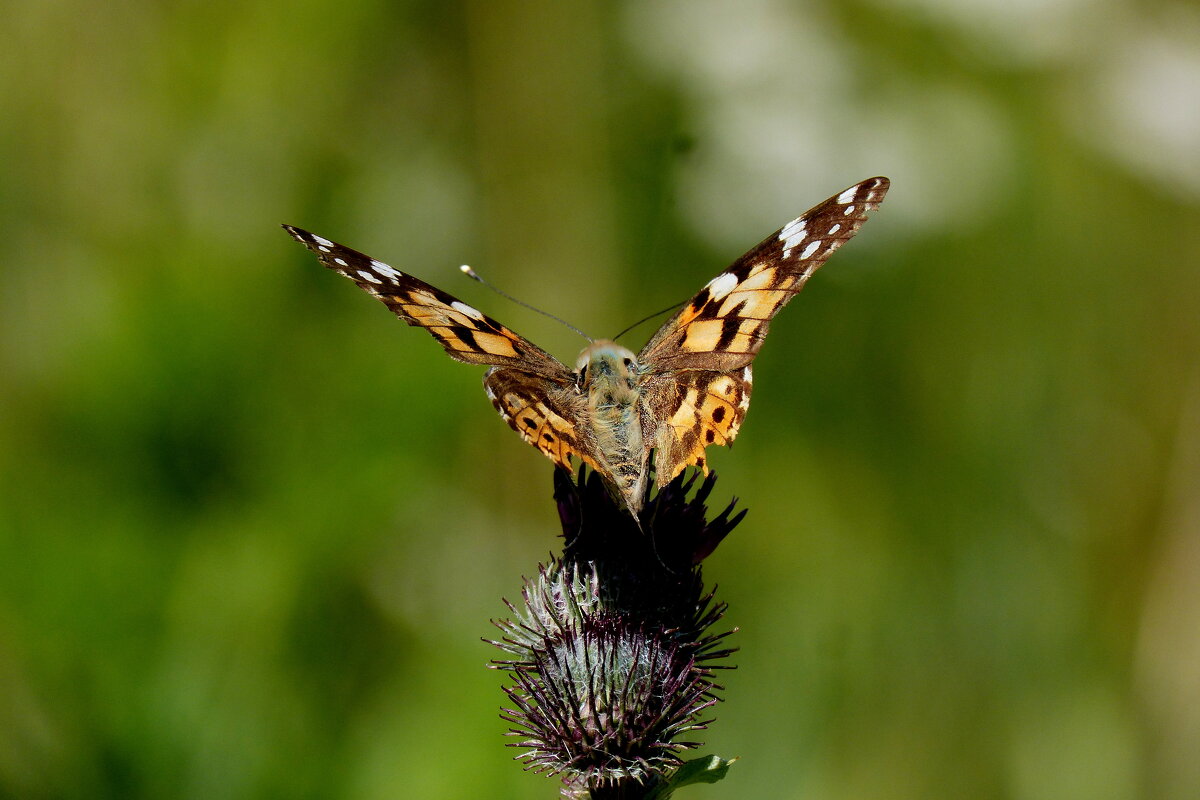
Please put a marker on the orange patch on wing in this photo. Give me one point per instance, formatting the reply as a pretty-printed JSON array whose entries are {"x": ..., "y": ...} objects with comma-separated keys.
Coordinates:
[
  {"x": 703, "y": 335},
  {"x": 758, "y": 304},
  {"x": 725, "y": 386},
  {"x": 438, "y": 315},
  {"x": 763, "y": 279},
  {"x": 495, "y": 344},
  {"x": 540, "y": 426},
  {"x": 745, "y": 340},
  {"x": 685, "y": 415},
  {"x": 450, "y": 339}
]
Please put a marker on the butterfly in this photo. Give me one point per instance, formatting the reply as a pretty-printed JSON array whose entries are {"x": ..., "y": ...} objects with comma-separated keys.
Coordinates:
[{"x": 687, "y": 389}]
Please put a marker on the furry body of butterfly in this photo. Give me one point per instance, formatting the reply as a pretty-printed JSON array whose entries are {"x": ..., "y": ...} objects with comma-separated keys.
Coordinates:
[
  {"x": 608, "y": 373},
  {"x": 688, "y": 388}
]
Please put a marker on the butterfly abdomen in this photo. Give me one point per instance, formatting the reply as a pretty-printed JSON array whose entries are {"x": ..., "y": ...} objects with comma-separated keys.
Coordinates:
[{"x": 615, "y": 410}]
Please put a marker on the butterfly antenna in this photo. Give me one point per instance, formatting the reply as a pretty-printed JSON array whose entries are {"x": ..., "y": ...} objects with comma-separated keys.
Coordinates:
[
  {"x": 671, "y": 307},
  {"x": 473, "y": 275}
]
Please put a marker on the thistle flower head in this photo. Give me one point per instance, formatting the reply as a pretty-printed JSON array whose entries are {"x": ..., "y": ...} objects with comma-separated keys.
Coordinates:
[{"x": 610, "y": 653}]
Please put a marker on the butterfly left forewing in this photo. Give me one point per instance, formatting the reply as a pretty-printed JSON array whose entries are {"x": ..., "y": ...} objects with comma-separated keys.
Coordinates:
[
  {"x": 697, "y": 382},
  {"x": 464, "y": 332},
  {"x": 534, "y": 393}
]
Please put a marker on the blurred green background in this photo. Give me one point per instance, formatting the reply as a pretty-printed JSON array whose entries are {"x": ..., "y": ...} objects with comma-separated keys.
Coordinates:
[{"x": 252, "y": 528}]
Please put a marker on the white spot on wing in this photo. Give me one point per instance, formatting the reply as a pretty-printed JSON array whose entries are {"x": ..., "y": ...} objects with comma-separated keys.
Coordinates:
[
  {"x": 813, "y": 246},
  {"x": 849, "y": 210},
  {"x": 322, "y": 241},
  {"x": 721, "y": 285},
  {"x": 792, "y": 234},
  {"x": 341, "y": 261},
  {"x": 848, "y": 195},
  {"x": 837, "y": 226},
  {"x": 466, "y": 309},
  {"x": 384, "y": 269},
  {"x": 366, "y": 276}
]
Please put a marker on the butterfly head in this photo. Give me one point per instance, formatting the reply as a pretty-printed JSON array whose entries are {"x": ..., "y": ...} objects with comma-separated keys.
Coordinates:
[{"x": 606, "y": 362}]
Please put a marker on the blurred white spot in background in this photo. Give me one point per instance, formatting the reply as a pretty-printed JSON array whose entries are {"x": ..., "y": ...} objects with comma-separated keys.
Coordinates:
[
  {"x": 783, "y": 118},
  {"x": 1143, "y": 108},
  {"x": 1017, "y": 33}
]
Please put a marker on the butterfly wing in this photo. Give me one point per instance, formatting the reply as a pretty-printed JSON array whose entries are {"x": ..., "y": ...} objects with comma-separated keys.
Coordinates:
[
  {"x": 698, "y": 363},
  {"x": 547, "y": 416},
  {"x": 466, "y": 333},
  {"x": 722, "y": 327},
  {"x": 693, "y": 409},
  {"x": 533, "y": 391}
]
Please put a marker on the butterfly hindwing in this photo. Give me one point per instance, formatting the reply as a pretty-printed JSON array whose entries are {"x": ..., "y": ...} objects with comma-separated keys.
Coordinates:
[
  {"x": 722, "y": 327},
  {"x": 693, "y": 409},
  {"x": 548, "y": 416},
  {"x": 465, "y": 333}
]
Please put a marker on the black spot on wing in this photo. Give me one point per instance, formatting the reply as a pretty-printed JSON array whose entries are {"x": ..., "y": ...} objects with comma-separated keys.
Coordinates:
[
  {"x": 718, "y": 414},
  {"x": 742, "y": 269},
  {"x": 489, "y": 324},
  {"x": 739, "y": 309},
  {"x": 442, "y": 297},
  {"x": 465, "y": 335},
  {"x": 729, "y": 329}
]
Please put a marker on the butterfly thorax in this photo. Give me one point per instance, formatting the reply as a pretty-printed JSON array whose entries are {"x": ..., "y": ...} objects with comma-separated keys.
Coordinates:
[{"x": 608, "y": 373}]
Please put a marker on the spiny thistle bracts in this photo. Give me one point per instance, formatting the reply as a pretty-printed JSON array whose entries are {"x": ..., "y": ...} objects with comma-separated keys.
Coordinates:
[{"x": 611, "y": 658}]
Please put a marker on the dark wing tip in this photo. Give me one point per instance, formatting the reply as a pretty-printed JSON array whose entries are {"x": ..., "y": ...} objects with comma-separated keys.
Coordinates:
[
  {"x": 303, "y": 237},
  {"x": 876, "y": 188}
]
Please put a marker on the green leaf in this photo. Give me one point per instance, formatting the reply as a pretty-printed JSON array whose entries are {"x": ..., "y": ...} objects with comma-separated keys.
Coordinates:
[{"x": 706, "y": 769}]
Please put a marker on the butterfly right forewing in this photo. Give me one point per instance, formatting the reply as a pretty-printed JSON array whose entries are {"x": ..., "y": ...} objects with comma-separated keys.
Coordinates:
[
  {"x": 698, "y": 364},
  {"x": 723, "y": 326}
]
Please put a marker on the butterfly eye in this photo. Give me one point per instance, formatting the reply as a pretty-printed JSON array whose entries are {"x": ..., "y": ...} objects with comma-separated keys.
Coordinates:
[{"x": 628, "y": 364}]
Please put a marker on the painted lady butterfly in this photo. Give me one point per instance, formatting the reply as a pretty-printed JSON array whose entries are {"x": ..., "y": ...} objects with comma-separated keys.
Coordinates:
[{"x": 687, "y": 389}]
